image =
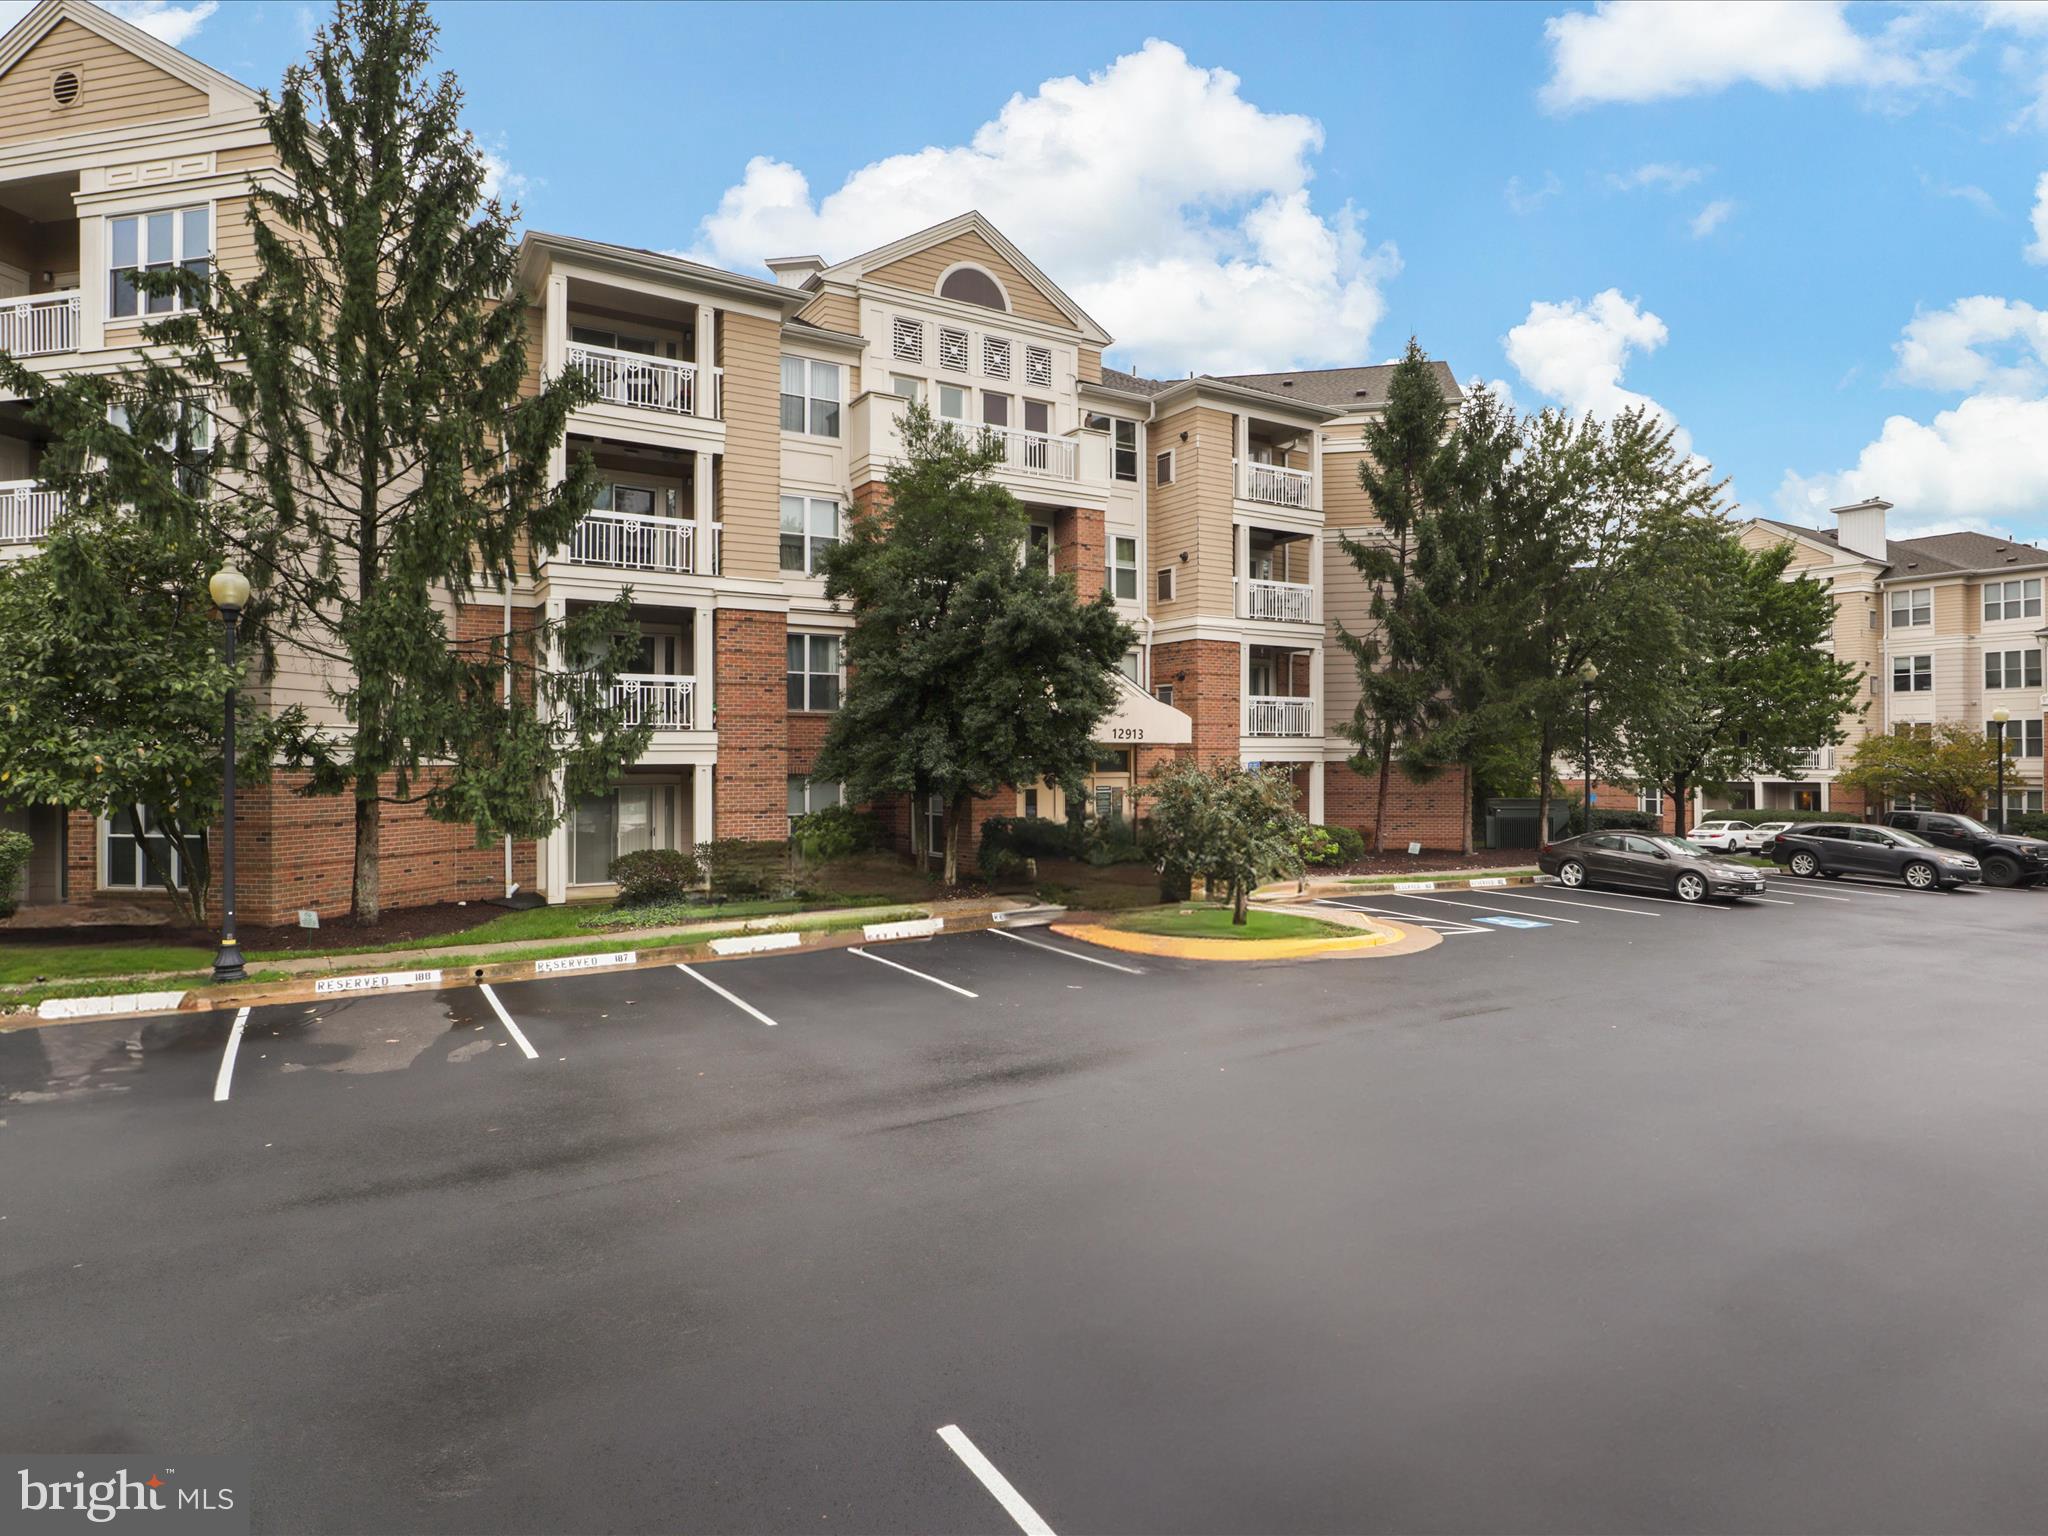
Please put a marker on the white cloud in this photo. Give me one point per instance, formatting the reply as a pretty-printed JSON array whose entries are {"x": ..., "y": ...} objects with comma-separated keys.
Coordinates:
[
  {"x": 500, "y": 180},
  {"x": 1172, "y": 209},
  {"x": 1526, "y": 200},
  {"x": 1575, "y": 353},
  {"x": 1959, "y": 348},
  {"x": 173, "y": 24},
  {"x": 1660, "y": 175},
  {"x": 2038, "y": 251},
  {"x": 1978, "y": 463},
  {"x": 1711, "y": 217},
  {"x": 1650, "y": 50},
  {"x": 1964, "y": 192}
]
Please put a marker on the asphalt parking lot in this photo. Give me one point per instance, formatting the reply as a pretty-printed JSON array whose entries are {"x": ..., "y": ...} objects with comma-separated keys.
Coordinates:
[{"x": 1615, "y": 1215}]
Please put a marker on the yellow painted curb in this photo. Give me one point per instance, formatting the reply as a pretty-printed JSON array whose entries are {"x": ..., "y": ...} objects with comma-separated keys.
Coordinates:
[{"x": 1167, "y": 947}]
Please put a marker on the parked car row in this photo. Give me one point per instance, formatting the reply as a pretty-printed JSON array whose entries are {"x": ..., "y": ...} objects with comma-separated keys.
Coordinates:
[
  {"x": 1834, "y": 849},
  {"x": 1647, "y": 861}
]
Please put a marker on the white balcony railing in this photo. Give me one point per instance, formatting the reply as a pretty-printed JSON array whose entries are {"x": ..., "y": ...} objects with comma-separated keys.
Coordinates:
[
  {"x": 1035, "y": 453},
  {"x": 652, "y": 383},
  {"x": 658, "y": 699},
  {"x": 35, "y": 327},
  {"x": 1276, "y": 485},
  {"x": 634, "y": 541},
  {"x": 1269, "y": 716},
  {"x": 26, "y": 511},
  {"x": 1291, "y": 602},
  {"x": 717, "y": 549},
  {"x": 1819, "y": 760}
]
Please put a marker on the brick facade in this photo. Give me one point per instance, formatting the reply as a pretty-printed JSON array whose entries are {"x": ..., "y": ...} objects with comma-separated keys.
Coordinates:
[
  {"x": 1078, "y": 549},
  {"x": 750, "y": 787},
  {"x": 1205, "y": 678},
  {"x": 1432, "y": 814}
]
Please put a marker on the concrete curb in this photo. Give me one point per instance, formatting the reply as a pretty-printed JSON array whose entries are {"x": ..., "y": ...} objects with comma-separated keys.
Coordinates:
[
  {"x": 1375, "y": 937},
  {"x": 1286, "y": 891},
  {"x": 310, "y": 989}
]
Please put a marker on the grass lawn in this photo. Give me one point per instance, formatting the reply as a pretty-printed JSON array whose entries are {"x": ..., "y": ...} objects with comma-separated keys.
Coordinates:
[
  {"x": 1214, "y": 923},
  {"x": 21, "y": 964}
]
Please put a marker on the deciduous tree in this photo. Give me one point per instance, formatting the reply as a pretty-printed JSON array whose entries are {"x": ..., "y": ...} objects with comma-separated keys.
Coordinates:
[
  {"x": 1225, "y": 824},
  {"x": 1952, "y": 766}
]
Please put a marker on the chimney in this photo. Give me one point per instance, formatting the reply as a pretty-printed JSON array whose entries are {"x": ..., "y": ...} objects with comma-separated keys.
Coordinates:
[
  {"x": 795, "y": 271},
  {"x": 1860, "y": 529}
]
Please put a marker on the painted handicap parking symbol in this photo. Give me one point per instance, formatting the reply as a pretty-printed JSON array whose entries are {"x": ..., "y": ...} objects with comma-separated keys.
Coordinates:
[{"x": 1512, "y": 922}]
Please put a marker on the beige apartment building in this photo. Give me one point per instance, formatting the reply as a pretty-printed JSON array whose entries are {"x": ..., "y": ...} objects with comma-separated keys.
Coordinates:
[
  {"x": 741, "y": 421},
  {"x": 1946, "y": 627}
]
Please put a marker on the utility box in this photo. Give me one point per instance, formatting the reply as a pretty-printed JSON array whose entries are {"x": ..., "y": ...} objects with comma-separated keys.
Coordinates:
[{"x": 1511, "y": 821}]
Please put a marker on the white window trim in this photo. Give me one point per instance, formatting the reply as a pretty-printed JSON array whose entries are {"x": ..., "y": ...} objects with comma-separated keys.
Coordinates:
[
  {"x": 1172, "y": 584},
  {"x": 1913, "y": 672},
  {"x": 1172, "y": 457},
  {"x": 810, "y": 398},
  {"x": 939, "y": 287},
  {"x": 838, "y": 672},
  {"x": 1135, "y": 566},
  {"x": 812, "y": 542},
  {"x": 108, "y": 269},
  {"x": 1909, "y": 594},
  {"x": 2023, "y": 582},
  {"x": 145, "y": 877}
]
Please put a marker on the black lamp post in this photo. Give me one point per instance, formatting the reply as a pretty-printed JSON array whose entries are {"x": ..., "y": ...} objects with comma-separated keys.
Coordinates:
[
  {"x": 230, "y": 592},
  {"x": 1588, "y": 676},
  {"x": 1998, "y": 718}
]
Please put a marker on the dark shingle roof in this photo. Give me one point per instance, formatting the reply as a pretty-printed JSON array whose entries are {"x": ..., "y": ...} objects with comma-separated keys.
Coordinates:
[
  {"x": 1346, "y": 388},
  {"x": 1133, "y": 384},
  {"x": 1939, "y": 554}
]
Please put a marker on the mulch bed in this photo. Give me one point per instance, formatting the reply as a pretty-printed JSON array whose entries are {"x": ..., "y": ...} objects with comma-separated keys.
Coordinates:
[
  {"x": 343, "y": 932},
  {"x": 1427, "y": 863}
]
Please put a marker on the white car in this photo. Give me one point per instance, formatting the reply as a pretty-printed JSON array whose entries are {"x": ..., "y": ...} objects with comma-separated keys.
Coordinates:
[
  {"x": 1722, "y": 836},
  {"x": 1763, "y": 834}
]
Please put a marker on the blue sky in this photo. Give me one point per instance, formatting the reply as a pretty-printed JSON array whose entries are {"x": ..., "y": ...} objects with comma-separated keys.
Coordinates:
[{"x": 1803, "y": 232}]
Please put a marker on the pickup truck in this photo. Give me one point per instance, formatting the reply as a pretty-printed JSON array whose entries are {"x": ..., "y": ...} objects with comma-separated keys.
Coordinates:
[{"x": 2007, "y": 858}]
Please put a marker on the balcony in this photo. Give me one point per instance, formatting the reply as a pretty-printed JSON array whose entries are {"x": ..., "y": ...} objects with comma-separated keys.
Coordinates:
[
  {"x": 661, "y": 700},
  {"x": 1288, "y": 602},
  {"x": 1276, "y": 486},
  {"x": 26, "y": 511},
  {"x": 648, "y": 383},
  {"x": 1819, "y": 760},
  {"x": 1267, "y": 715},
  {"x": 636, "y": 541},
  {"x": 1036, "y": 453},
  {"x": 39, "y": 326}
]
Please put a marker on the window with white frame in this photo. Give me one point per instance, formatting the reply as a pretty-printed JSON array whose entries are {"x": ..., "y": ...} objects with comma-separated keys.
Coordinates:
[
  {"x": 995, "y": 356},
  {"x": 810, "y": 396},
  {"x": 1912, "y": 674},
  {"x": 952, "y": 349},
  {"x": 1123, "y": 567},
  {"x": 806, "y": 797},
  {"x": 1650, "y": 799},
  {"x": 2022, "y": 737},
  {"x": 1912, "y": 608},
  {"x": 906, "y": 339},
  {"x": 1911, "y": 803},
  {"x": 813, "y": 672},
  {"x": 935, "y": 827},
  {"x": 127, "y": 867},
  {"x": 1123, "y": 444},
  {"x": 2023, "y": 802},
  {"x": 810, "y": 526},
  {"x": 952, "y": 403},
  {"x": 1164, "y": 589},
  {"x": 1038, "y": 366},
  {"x": 1038, "y": 546},
  {"x": 1129, "y": 664},
  {"x": 904, "y": 385},
  {"x": 1163, "y": 693},
  {"x": 2012, "y": 599},
  {"x": 1162, "y": 468},
  {"x": 187, "y": 440},
  {"x": 155, "y": 242},
  {"x": 2012, "y": 669}
]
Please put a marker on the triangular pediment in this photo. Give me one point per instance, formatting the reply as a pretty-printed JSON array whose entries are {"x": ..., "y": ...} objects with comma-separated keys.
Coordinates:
[
  {"x": 920, "y": 262},
  {"x": 107, "y": 54}
]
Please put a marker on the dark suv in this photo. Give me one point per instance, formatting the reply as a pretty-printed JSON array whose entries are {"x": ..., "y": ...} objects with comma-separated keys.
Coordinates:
[
  {"x": 1835, "y": 849},
  {"x": 2007, "y": 857}
]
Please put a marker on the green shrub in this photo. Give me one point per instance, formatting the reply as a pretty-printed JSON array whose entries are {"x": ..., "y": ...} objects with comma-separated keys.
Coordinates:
[
  {"x": 2027, "y": 823},
  {"x": 1611, "y": 821},
  {"x": 655, "y": 874},
  {"x": 834, "y": 832},
  {"x": 1350, "y": 844},
  {"x": 1758, "y": 818},
  {"x": 1001, "y": 865},
  {"x": 1111, "y": 840},
  {"x": 15, "y": 848},
  {"x": 1032, "y": 837},
  {"x": 1324, "y": 847},
  {"x": 740, "y": 869}
]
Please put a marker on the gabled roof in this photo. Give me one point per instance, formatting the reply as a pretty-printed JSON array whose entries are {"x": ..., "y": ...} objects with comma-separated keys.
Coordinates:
[
  {"x": 1935, "y": 554},
  {"x": 38, "y": 23},
  {"x": 973, "y": 221},
  {"x": 660, "y": 264},
  {"x": 1351, "y": 389}
]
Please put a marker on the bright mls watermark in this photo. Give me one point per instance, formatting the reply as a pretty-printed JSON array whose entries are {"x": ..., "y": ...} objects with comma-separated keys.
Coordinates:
[{"x": 180, "y": 1496}]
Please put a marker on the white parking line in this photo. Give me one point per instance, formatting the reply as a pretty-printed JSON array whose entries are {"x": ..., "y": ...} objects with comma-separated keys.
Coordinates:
[
  {"x": 738, "y": 1002},
  {"x": 518, "y": 1038},
  {"x": 908, "y": 971},
  {"x": 1004, "y": 933},
  {"x": 227, "y": 1060},
  {"x": 1787, "y": 880},
  {"x": 1662, "y": 903},
  {"x": 1435, "y": 924},
  {"x": 1576, "y": 901},
  {"x": 1478, "y": 906},
  {"x": 1815, "y": 895},
  {"x": 1028, "y": 1519}
]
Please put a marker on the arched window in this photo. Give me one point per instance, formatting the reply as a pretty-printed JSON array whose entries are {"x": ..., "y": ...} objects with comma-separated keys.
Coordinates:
[{"x": 971, "y": 285}]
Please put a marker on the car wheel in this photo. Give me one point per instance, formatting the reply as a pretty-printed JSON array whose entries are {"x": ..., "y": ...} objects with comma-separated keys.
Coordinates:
[
  {"x": 2001, "y": 872},
  {"x": 1921, "y": 875},
  {"x": 1572, "y": 873},
  {"x": 1805, "y": 864},
  {"x": 1690, "y": 887}
]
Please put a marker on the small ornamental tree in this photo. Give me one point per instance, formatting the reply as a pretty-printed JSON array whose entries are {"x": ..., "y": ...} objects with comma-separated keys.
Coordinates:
[
  {"x": 969, "y": 667},
  {"x": 1952, "y": 766},
  {"x": 1227, "y": 824},
  {"x": 112, "y": 690},
  {"x": 374, "y": 453}
]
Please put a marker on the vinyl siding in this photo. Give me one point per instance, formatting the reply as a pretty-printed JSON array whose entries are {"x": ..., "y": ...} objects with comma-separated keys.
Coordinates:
[
  {"x": 116, "y": 89},
  {"x": 1347, "y": 599},
  {"x": 750, "y": 352},
  {"x": 920, "y": 273},
  {"x": 837, "y": 312},
  {"x": 1088, "y": 365},
  {"x": 1191, "y": 515},
  {"x": 257, "y": 157}
]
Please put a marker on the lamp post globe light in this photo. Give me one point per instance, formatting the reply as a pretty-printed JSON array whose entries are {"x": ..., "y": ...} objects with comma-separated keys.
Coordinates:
[
  {"x": 1998, "y": 718},
  {"x": 1588, "y": 676},
  {"x": 229, "y": 590}
]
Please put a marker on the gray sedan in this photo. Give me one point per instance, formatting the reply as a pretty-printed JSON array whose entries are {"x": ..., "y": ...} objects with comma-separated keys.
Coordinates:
[{"x": 1647, "y": 862}]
